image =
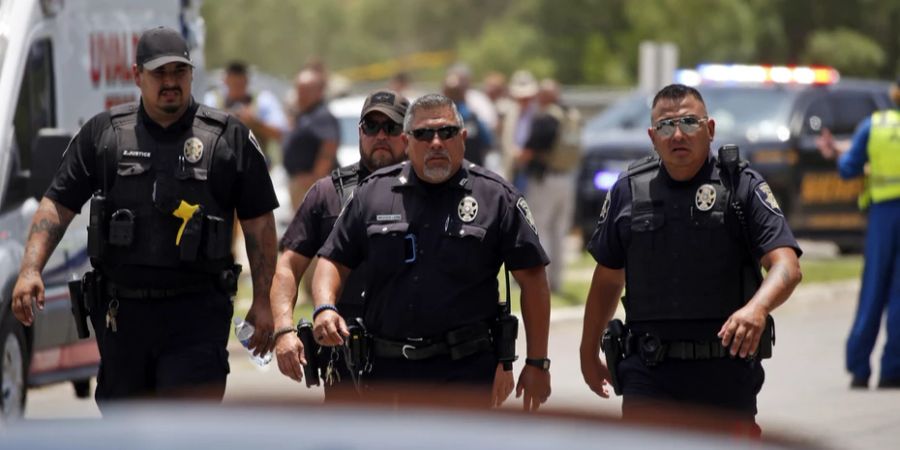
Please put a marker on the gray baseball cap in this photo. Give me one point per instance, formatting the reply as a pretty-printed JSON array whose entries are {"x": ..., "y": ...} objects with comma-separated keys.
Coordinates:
[{"x": 388, "y": 102}]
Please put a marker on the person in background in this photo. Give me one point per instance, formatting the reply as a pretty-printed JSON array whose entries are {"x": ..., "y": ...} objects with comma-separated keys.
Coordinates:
[
  {"x": 876, "y": 145},
  {"x": 259, "y": 110},
  {"x": 549, "y": 157},
  {"x": 523, "y": 89},
  {"x": 479, "y": 138},
  {"x": 310, "y": 149}
]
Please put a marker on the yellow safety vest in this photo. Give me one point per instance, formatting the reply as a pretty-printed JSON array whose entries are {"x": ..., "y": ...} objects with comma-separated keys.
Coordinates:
[{"x": 883, "y": 182}]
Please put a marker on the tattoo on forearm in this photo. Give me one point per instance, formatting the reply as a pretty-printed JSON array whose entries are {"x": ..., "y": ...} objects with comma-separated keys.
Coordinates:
[
  {"x": 54, "y": 231},
  {"x": 262, "y": 258},
  {"x": 36, "y": 250},
  {"x": 785, "y": 277}
]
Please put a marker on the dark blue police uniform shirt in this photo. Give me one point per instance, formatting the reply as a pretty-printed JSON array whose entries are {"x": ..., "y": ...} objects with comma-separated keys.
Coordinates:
[
  {"x": 433, "y": 251},
  {"x": 768, "y": 228}
]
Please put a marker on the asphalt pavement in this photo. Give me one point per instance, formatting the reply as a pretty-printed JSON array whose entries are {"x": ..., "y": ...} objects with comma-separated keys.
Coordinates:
[{"x": 805, "y": 395}]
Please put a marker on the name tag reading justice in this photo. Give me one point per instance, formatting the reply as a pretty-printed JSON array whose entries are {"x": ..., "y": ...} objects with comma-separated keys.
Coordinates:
[{"x": 388, "y": 217}]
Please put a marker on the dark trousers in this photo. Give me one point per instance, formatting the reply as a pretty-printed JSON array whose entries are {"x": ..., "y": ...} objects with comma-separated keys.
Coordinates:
[
  {"x": 725, "y": 384},
  {"x": 171, "y": 347},
  {"x": 463, "y": 382},
  {"x": 340, "y": 388}
]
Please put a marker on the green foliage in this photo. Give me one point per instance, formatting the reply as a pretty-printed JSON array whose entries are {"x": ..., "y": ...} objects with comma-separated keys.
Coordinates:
[
  {"x": 506, "y": 46},
  {"x": 849, "y": 51},
  {"x": 576, "y": 41},
  {"x": 600, "y": 65},
  {"x": 704, "y": 30},
  {"x": 842, "y": 268}
]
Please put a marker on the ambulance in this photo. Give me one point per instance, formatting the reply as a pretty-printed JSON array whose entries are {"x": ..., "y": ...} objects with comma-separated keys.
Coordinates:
[{"x": 61, "y": 62}]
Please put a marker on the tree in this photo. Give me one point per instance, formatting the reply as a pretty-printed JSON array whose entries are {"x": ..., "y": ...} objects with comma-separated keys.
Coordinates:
[{"x": 848, "y": 51}]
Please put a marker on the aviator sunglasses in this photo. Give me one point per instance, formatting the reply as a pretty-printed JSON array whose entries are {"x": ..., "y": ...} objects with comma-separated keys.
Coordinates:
[
  {"x": 687, "y": 125},
  {"x": 427, "y": 134},
  {"x": 371, "y": 128}
]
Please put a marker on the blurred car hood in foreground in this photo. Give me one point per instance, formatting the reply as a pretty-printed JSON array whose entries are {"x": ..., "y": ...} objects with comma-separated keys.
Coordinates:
[{"x": 263, "y": 425}]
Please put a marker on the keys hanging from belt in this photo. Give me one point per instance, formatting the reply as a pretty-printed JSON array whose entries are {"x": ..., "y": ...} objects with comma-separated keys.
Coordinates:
[
  {"x": 111, "y": 313},
  {"x": 332, "y": 375}
]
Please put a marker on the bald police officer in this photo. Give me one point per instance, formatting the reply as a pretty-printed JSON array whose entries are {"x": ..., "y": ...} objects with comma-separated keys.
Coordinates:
[
  {"x": 434, "y": 232},
  {"x": 167, "y": 175}
]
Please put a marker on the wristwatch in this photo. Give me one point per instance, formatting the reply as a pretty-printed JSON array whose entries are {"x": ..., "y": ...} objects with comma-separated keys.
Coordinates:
[{"x": 541, "y": 363}]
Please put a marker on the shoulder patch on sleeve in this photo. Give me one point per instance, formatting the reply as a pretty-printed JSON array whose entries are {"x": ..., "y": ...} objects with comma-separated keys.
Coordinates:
[
  {"x": 604, "y": 211},
  {"x": 765, "y": 194},
  {"x": 255, "y": 143},
  {"x": 522, "y": 205}
]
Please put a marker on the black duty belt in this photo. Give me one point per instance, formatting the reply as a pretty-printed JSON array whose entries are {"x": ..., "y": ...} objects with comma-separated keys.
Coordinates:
[
  {"x": 695, "y": 350},
  {"x": 409, "y": 349},
  {"x": 458, "y": 343},
  {"x": 654, "y": 350},
  {"x": 122, "y": 292}
]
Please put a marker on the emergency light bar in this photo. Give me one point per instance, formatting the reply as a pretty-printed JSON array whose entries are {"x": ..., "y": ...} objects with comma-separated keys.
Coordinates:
[{"x": 744, "y": 73}]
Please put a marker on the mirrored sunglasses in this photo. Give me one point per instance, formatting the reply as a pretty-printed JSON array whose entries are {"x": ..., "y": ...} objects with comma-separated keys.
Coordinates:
[{"x": 687, "y": 125}]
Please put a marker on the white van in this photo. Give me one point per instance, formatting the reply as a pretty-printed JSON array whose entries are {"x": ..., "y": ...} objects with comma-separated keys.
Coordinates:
[{"x": 61, "y": 62}]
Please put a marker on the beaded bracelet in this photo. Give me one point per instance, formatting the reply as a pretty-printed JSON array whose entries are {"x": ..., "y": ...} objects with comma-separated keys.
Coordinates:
[{"x": 321, "y": 308}]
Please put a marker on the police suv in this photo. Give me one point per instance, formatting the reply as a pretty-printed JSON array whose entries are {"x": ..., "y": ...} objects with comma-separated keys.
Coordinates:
[
  {"x": 774, "y": 114},
  {"x": 61, "y": 62}
]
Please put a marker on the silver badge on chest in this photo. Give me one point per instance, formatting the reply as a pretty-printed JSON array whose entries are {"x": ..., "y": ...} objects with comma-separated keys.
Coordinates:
[
  {"x": 193, "y": 150},
  {"x": 467, "y": 209},
  {"x": 706, "y": 197}
]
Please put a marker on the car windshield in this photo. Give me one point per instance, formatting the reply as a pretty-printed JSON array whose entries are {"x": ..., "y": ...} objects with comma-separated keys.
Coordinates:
[
  {"x": 349, "y": 134},
  {"x": 751, "y": 113}
]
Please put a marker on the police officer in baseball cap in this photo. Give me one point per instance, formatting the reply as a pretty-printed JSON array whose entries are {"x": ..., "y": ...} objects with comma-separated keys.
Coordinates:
[
  {"x": 381, "y": 144},
  {"x": 165, "y": 176}
]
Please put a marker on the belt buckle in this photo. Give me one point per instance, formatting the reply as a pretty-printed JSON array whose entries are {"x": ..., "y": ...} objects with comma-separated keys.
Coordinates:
[
  {"x": 407, "y": 347},
  {"x": 651, "y": 349}
]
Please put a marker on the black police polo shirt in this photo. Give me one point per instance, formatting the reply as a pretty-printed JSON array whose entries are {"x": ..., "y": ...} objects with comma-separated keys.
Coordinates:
[
  {"x": 768, "y": 228},
  {"x": 238, "y": 179},
  {"x": 433, "y": 251}
]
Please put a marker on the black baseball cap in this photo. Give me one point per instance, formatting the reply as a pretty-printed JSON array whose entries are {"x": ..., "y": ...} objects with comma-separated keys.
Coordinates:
[
  {"x": 388, "y": 102},
  {"x": 159, "y": 46}
]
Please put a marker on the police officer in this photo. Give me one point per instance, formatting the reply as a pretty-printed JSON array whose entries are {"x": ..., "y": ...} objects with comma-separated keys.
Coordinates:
[
  {"x": 381, "y": 144},
  {"x": 876, "y": 142},
  {"x": 433, "y": 232},
  {"x": 167, "y": 175},
  {"x": 688, "y": 247}
]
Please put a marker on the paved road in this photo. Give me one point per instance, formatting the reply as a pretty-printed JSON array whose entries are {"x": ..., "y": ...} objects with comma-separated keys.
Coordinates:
[{"x": 805, "y": 393}]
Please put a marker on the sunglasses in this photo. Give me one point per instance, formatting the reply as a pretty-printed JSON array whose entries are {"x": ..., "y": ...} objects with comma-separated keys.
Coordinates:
[
  {"x": 687, "y": 125},
  {"x": 427, "y": 134},
  {"x": 371, "y": 128}
]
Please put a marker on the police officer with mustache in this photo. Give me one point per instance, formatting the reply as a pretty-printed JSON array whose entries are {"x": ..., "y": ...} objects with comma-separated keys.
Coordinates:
[
  {"x": 164, "y": 176},
  {"x": 434, "y": 232}
]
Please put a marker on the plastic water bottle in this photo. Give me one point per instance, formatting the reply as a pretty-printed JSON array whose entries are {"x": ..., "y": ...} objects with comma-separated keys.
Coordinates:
[{"x": 244, "y": 331}]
